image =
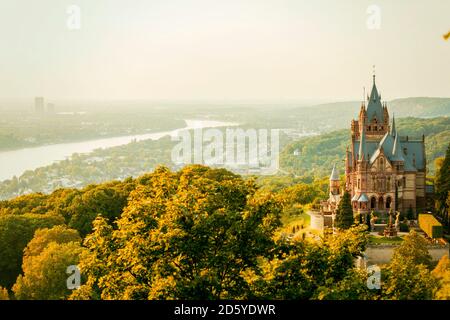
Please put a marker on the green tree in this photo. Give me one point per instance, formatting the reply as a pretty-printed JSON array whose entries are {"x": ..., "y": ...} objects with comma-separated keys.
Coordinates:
[
  {"x": 402, "y": 279},
  {"x": 414, "y": 248},
  {"x": 352, "y": 287},
  {"x": 407, "y": 277},
  {"x": 81, "y": 207},
  {"x": 15, "y": 233},
  {"x": 45, "y": 276},
  {"x": 43, "y": 237},
  {"x": 344, "y": 213},
  {"x": 410, "y": 213},
  {"x": 442, "y": 273},
  {"x": 307, "y": 270},
  {"x": 185, "y": 235}
]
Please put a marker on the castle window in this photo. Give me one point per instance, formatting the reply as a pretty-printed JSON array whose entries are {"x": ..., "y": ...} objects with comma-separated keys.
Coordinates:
[
  {"x": 373, "y": 203},
  {"x": 405, "y": 151},
  {"x": 381, "y": 203},
  {"x": 404, "y": 182},
  {"x": 368, "y": 128},
  {"x": 388, "y": 186},
  {"x": 388, "y": 202}
]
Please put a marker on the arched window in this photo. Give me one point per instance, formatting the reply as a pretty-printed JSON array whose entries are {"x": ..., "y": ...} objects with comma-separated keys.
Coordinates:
[
  {"x": 381, "y": 203},
  {"x": 388, "y": 202},
  {"x": 373, "y": 203}
]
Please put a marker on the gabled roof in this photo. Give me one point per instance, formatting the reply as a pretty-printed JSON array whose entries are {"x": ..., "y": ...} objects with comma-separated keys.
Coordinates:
[
  {"x": 355, "y": 197},
  {"x": 363, "y": 198}
]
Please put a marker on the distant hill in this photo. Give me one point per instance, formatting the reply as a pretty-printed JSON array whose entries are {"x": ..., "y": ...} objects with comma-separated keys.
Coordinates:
[
  {"x": 316, "y": 155},
  {"x": 332, "y": 116}
]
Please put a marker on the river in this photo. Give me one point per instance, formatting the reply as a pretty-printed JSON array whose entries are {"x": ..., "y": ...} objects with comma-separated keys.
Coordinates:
[{"x": 16, "y": 162}]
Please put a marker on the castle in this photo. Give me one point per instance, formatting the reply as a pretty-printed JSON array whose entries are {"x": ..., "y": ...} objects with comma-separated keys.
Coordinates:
[{"x": 383, "y": 170}]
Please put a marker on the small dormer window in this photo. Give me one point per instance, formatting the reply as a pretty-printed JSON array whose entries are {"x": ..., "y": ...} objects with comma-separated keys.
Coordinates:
[{"x": 405, "y": 151}]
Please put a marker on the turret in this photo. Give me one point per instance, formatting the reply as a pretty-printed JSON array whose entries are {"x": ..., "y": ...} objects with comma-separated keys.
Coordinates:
[{"x": 334, "y": 181}]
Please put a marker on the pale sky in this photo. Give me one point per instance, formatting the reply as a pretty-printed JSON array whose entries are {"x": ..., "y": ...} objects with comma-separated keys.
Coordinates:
[{"x": 223, "y": 49}]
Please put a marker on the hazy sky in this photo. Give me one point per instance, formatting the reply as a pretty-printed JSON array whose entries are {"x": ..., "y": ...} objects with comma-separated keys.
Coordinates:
[{"x": 223, "y": 49}]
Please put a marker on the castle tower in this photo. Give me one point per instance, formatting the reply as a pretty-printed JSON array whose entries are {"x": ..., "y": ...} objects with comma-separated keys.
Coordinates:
[
  {"x": 334, "y": 181},
  {"x": 377, "y": 115}
]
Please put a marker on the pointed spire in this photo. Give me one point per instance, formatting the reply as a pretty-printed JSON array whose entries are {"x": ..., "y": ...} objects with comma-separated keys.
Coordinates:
[
  {"x": 334, "y": 174},
  {"x": 375, "y": 107},
  {"x": 362, "y": 145},
  {"x": 393, "y": 131}
]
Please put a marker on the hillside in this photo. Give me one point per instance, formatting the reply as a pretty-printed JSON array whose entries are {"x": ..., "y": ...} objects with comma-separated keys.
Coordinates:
[
  {"x": 337, "y": 115},
  {"x": 318, "y": 153}
]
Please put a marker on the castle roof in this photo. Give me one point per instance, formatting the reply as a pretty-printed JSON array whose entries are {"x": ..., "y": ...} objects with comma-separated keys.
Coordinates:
[
  {"x": 334, "y": 174},
  {"x": 374, "y": 107},
  {"x": 363, "y": 198},
  {"x": 410, "y": 152}
]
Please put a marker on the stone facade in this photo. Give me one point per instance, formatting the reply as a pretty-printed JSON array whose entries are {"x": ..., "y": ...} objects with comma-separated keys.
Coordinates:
[{"x": 383, "y": 170}]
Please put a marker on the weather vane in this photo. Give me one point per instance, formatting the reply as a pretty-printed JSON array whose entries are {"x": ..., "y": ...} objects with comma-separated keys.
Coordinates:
[{"x": 373, "y": 68}]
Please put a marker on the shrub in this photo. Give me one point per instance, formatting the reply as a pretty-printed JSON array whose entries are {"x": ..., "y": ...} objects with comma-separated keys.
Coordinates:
[{"x": 404, "y": 227}]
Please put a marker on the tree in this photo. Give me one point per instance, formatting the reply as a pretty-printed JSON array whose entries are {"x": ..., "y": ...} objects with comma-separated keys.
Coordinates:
[
  {"x": 443, "y": 188},
  {"x": 43, "y": 237},
  {"x": 442, "y": 273},
  {"x": 402, "y": 279},
  {"x": 45, "y": 276},
  {"x": 185, "y": 235},
  {"x": 352, "y": 287},
  {"x": 15, "y": 233},
  {"x": 407, "y": 277},
  {"x": 306, "y": 270},
  {"x": 410, "y": 213},
  {"x": 81, "y": 207},
  {"x": 414, "y": 248},
  {"x": 4, "y": 294},
  {"x": 344, "y": 213}
]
